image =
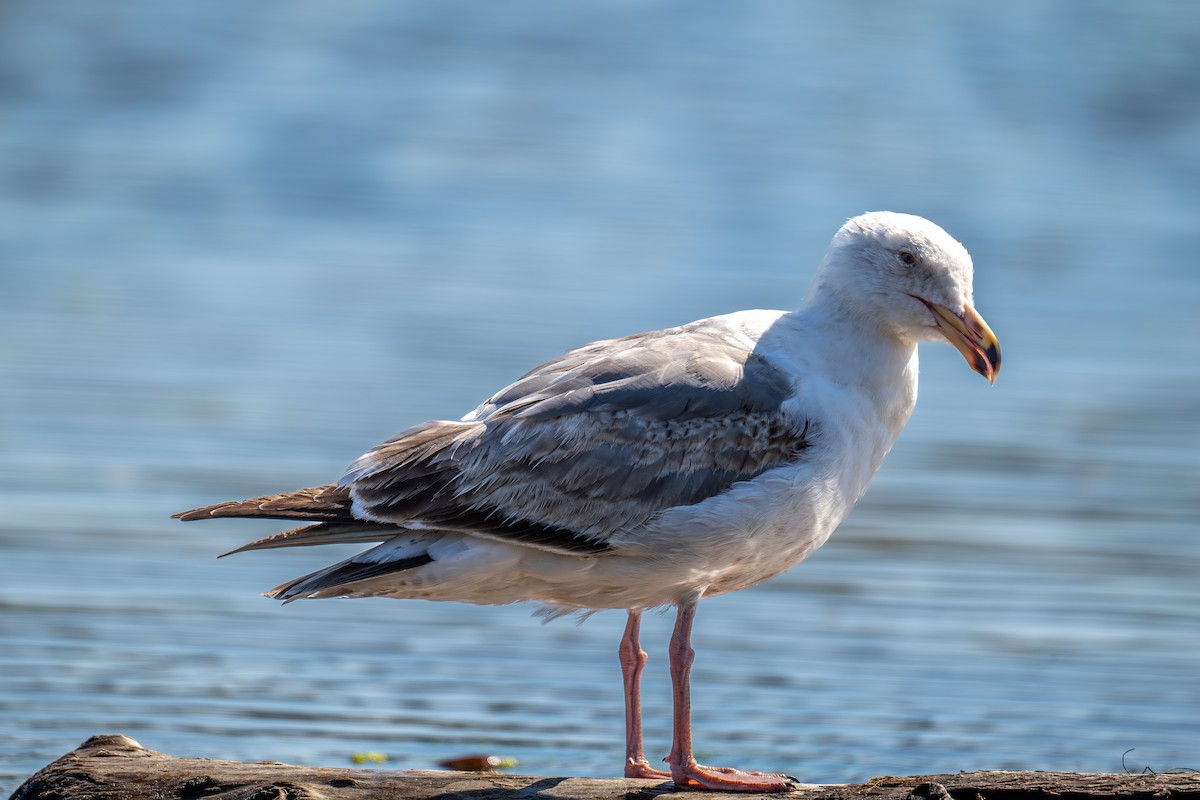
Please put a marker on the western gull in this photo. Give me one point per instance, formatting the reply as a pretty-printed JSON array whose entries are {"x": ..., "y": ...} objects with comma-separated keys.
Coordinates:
[{"x": 655, "y": 469}]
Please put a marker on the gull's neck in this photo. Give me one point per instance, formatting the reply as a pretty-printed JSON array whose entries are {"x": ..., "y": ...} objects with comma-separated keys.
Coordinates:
[{"x": 856, "y": 351}]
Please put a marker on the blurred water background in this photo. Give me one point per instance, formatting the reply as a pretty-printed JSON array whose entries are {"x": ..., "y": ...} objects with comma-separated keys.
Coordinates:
[{"x": 240, "y": 243}]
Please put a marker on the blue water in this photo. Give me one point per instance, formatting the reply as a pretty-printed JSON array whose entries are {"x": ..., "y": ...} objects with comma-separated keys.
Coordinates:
[{"x": 242, "y": 243}]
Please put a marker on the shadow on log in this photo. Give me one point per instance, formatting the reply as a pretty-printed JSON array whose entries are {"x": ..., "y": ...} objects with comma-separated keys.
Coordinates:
[{"x": 116, "y": 767}]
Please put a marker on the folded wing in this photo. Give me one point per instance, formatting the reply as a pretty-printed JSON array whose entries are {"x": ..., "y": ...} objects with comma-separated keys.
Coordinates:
[{"x": 599, "y": 441}]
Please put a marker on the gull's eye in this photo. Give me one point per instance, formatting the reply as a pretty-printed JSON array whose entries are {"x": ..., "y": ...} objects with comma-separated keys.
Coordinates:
[{"x": 907, "y": 257}]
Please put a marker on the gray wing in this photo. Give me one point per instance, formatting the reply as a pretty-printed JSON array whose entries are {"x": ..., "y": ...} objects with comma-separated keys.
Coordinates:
[{"x": 601, "y": 440}]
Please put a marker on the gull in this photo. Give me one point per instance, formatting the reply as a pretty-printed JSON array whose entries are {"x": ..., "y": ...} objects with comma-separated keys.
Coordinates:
[{"x": 656, "y": 469}]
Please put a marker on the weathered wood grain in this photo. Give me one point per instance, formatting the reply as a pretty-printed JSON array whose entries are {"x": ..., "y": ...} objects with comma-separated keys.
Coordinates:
[{"x": 115, "y": 767}]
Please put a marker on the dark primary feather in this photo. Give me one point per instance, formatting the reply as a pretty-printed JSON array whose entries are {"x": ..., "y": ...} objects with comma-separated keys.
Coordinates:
[
  {"x": 322, "y": 533},
  {"x": 349, "y": 571}
]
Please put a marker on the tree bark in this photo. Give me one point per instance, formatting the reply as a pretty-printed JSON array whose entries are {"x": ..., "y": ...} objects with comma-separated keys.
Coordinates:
[{"x": 115, "y": 767}]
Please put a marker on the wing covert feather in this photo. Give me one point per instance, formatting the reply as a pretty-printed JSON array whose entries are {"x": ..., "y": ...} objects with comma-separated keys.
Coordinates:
[{"x": 600, "y": 440}]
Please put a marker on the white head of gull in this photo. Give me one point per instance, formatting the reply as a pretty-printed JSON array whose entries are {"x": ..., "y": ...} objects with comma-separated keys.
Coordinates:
[{"x": 655, "y": 469}]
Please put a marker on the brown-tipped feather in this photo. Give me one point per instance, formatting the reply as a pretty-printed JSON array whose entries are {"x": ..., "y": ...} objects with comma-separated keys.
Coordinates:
[{"x": 329, "y": 503}]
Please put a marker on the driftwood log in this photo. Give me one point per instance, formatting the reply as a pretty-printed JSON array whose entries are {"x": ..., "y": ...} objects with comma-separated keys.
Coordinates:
[{"x": 116, "y": 767}]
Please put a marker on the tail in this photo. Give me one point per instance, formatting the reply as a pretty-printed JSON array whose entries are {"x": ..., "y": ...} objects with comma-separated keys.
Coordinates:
[
  {"x": 329, "y": 503},
  {"x": 332, "y": 506}
]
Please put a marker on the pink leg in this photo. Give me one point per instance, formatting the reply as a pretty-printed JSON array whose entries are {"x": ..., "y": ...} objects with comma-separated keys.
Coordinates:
[
  {"x": 633, "y": 659},
  {"x": 684, "y": 769}
]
